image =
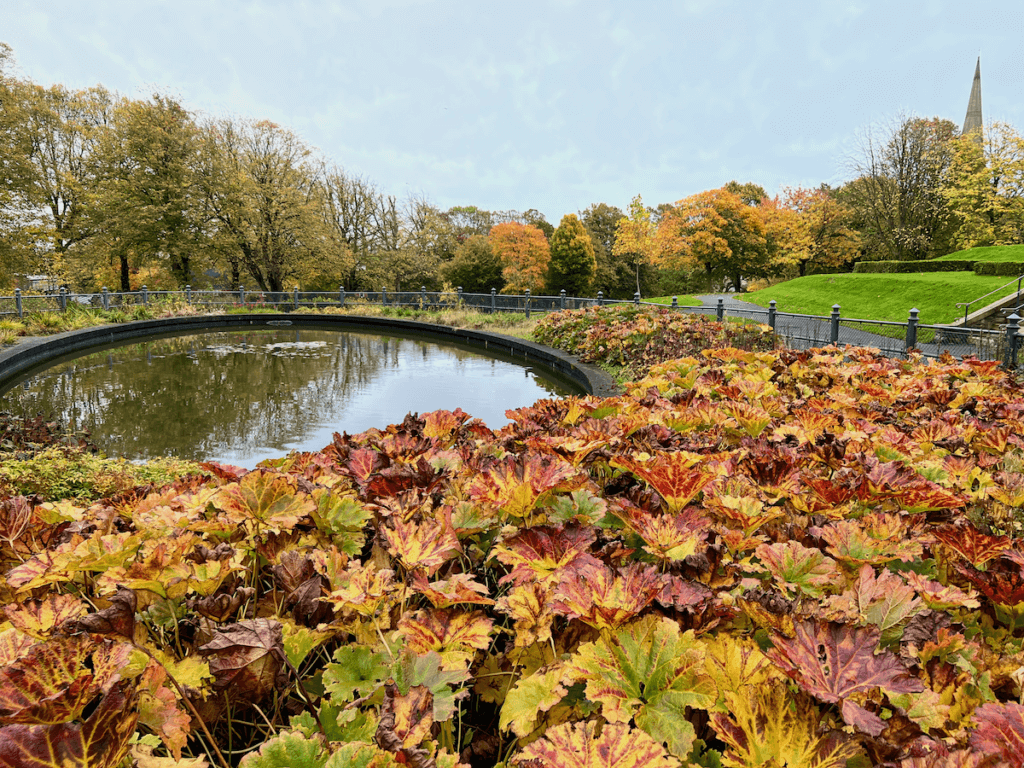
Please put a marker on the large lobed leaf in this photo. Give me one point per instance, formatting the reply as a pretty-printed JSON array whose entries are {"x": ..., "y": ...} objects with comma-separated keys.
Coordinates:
[{"x": 651, "y": 673}]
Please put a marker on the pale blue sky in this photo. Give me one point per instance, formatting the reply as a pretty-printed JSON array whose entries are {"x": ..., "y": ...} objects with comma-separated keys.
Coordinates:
[{"x": 547, "y": 105}]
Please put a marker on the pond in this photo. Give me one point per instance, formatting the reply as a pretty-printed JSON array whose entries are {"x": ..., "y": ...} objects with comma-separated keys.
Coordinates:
[{"x": 241, "y": 397}]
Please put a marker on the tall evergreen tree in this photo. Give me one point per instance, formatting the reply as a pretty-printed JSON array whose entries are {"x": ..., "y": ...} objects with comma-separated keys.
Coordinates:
[{"x": 572, "y": 266}]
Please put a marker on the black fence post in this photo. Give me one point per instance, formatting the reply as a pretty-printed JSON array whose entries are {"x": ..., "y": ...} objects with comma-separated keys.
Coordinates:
[
  {"x": 458, "y": 297},
  {"x": 912, "y": 329},
  {"x": 423, "y": 297},
  {"x": 188, "y": 294},
  {"x": 62, "y": 299},
  {"x": 834, "y": 336},
  {"x": 145, "y": 295},
  {"x": 341, "y": 295},
  {"x": 106, "y": 299},
  {"x": 527, "y": 303},
  {"x": 600, "y": 298},
  {"x": 17, "y": 302},
  {"x": 720, "y": 310},
  {"x": 494, "y": 300},
  {"x": 384, "y": 297},
  {"x": 1012, "y": 328},
  {"x": 771, "y": 313},
  {"x": 561, "y": 299},
  {"x": 295, "y": 297},
  {"x": 241, "y": 295}
]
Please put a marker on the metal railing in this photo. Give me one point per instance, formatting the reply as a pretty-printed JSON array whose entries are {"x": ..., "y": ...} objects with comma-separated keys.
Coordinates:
[
  {"x": 967, "y": 304},
  {"x": 796, "y": 331}
]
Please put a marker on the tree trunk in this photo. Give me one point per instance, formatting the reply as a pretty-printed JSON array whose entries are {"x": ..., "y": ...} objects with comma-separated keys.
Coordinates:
[{"x": 125, "y": 281}]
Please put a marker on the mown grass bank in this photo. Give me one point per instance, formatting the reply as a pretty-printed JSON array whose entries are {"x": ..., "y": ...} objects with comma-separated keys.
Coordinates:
[{"x": 882, "y": 297}]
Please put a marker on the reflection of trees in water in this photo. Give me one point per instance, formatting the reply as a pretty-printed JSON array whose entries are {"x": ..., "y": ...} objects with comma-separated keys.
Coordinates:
[
  {"x": 211, "y": 391},
  {"x": 208, "y": 394}
]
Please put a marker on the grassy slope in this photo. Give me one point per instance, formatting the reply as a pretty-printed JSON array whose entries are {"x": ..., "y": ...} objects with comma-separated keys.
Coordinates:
[
  {"x": 684, "y": 300},
  {"x": 881, "y": 297},
  {"x": 987, "y": 253}
]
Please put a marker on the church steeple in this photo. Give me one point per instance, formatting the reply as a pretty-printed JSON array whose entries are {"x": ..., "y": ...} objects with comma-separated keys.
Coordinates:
[{"x": 973, "y": 121}]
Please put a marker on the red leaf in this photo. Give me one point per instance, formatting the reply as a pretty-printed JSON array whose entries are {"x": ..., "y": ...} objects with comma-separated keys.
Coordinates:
[
  {"x": 1001, "y": 732},
  {"x": 834, "y": 661},
  {"x": 99, "y": 742}
]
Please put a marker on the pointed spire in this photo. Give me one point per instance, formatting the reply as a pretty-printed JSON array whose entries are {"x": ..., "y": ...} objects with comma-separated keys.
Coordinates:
[{"x": 973, "y": 121}]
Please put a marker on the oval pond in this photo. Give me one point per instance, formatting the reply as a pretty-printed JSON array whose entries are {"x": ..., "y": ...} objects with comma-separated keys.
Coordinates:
[{"x": 241, "y": 397}]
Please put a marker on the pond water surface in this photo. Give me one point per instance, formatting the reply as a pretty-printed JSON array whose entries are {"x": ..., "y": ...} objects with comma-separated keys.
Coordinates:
[{"x": 241, "y": 397}]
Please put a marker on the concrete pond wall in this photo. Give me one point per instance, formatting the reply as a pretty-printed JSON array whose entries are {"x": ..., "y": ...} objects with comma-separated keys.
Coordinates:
[{"x": 33, "y": 354}]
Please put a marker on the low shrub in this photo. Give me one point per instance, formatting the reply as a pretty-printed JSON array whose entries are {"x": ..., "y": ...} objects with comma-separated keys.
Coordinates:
[
  {"x": 59, "y": 472},
  {"x": 999, "y": 268},
  {"x": 911, "y": 267},
  {"x": 635, "y": 338}
]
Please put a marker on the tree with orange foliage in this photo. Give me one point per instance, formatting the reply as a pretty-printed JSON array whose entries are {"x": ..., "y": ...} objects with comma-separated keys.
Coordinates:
[
  {"x": 718, "y": 232},
  {"x": 524, "y": 254},
  {"x": 815, "y": 228}
]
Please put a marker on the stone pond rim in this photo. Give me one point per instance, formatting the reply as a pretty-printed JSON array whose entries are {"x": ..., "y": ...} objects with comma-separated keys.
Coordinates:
[{"x": 32, "y": 354}]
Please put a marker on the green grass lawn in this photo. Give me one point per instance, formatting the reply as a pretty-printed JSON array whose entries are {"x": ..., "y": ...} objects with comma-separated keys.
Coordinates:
[
  {"x": 987, "y": 253},
  {"x": 882, "y": 297},
  {"x": 684, "y": 300}
]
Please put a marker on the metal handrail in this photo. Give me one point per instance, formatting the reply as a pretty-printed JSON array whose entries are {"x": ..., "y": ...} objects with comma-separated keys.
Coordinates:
[{"x": 967, "y": 304}]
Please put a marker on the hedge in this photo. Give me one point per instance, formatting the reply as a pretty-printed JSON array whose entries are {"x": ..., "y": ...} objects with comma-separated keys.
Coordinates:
[
  {"x": 999, "y": 268},
  {"x": 901, "y": 267}
]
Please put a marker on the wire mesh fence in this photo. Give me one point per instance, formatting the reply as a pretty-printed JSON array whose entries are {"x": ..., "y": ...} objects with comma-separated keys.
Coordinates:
[{"x": 797, "y": 331}]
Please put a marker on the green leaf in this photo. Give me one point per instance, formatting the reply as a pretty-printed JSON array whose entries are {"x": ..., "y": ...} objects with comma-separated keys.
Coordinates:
[
  {"x": 299, "y": 641},
  {"x": 339, "y": 724},
  {"x": 650, "y": 672},
  {"x": 531, "y": 697},
  {"x": 341, "y": 517},
  {"x": 288, "y": 750},
  {"x": 358, "y": 672},
  {"x": 359, "y": 754}
]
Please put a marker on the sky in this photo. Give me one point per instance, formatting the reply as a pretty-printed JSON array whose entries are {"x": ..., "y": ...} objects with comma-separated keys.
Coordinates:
[{"x": 553, "y": 105}]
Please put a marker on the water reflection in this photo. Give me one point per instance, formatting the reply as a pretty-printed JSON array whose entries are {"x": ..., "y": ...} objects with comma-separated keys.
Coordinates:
[{"x": 242, "y": 397}]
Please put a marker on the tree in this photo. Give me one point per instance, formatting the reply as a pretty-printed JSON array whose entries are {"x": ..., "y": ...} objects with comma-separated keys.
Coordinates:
[
  {"x": 535, "y": 218},
  {"x": 716, "y": 230},
  {"x": 263, "y": 189},
  {"x": 524, "y": 254},
  {"x": 898, "y": 188},
  {"x": 813, "y": 229},
  {"x": 147, "y": 198},
  {"x": 572, "y": 266},
  {"x": 351, "y": 206},
  {"x": 750, "y": 193},
  {"x": 53, "y": 138},
  {"x": 634, "y": 238},
  {"x": 468, "y": 220},
  {"x": 476, "y": 268},
  {"x": 984, "y": 187}
]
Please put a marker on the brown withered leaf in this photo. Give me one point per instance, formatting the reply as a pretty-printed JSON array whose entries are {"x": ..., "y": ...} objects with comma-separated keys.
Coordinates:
[
  {"x": 221, "y": 606},
  {"x": 293, "y": 569},
  {"x": 202, "y": 554},
  {"x": 15, "y": 516},
  {"x": 247, "y": 658},
  {"x": 118, "y": 618}
]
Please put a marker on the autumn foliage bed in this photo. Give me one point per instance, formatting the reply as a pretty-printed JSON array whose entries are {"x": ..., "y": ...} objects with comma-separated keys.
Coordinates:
[{"x": 751, "y": 558}]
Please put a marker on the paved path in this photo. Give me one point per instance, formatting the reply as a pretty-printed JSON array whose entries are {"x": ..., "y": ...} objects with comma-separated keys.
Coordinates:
[{"x": 807, "y": 331}]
